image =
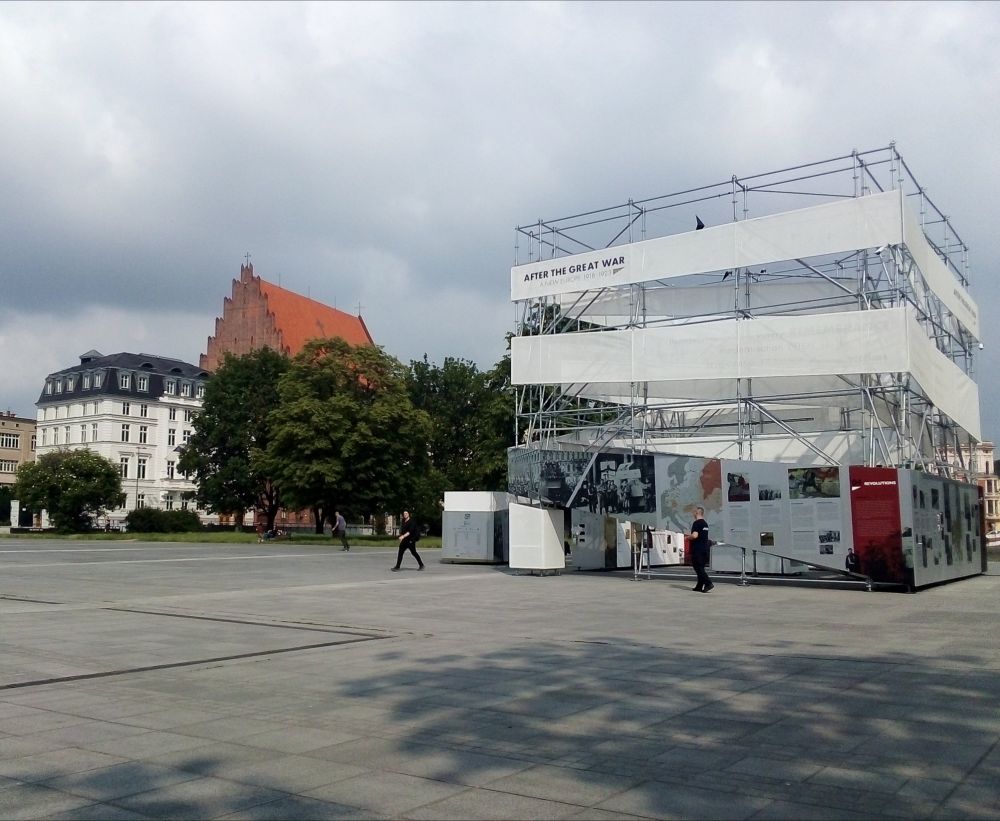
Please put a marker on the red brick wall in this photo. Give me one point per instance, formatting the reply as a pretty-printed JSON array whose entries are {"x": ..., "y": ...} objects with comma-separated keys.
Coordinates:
[{"x": 245, "y": 324}]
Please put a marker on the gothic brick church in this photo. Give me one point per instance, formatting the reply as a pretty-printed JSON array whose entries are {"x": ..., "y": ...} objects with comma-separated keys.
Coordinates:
[{"x": 260, "y": 314}]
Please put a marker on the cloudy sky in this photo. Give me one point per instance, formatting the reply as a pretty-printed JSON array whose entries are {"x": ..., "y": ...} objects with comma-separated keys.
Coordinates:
[{"x": 381, "y": 154}]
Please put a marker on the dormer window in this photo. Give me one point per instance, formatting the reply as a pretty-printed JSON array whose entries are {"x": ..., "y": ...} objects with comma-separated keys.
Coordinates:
[
  {"x": 98, "y": 379},
  {"x": 142, "y": 383},
  {"x": 185, "y": 388},
  {"x": 86, "y": 381},
  {"x": 171, "y": 387},
  {"x": 58, "y": 386},
  {"x": 70, "y": 383},
  {"x": 48, "y": 387},
  {"x": 201, "y": 391},
  {"x": 125, "y": 381}
]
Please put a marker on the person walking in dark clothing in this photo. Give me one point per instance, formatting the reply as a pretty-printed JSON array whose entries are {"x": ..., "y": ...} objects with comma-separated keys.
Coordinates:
[
  {"x": 408, "y": 536},
  {"x": 700, "y": 551},
  {"x": 340, "y": 529}
]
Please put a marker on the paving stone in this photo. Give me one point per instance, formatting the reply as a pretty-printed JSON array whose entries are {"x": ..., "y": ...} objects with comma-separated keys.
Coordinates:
[
  {"x": 792, "y": 811},
  {"x": 45, "y": 766},
  {"x": 31, "y": 801},
  {"x": 562, "y": 784},
  {"x": 388, "y": 793},
  {"x": 480, "y": 803},
  {"x": 111, "y": 783},
  {"x": 858, "y": 779},
  {"x": 296, "y": 808},
  {"x": 773, "y": 769},
  {"x": 99, "y": 812},
  {"x": 293, "y": 774},
  {"x": 198, "y": 798},
  {"x": 659, "y": 800}
]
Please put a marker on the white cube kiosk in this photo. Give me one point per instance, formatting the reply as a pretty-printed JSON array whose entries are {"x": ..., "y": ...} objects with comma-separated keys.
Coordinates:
[{"x": 536, "y": 538}]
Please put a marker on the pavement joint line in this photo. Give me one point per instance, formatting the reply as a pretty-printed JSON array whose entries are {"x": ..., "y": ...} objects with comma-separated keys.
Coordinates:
[
  {"x": 174, "y": 664},
  {"x": 968, "y": 772},
  {"x": 6, "y": 597},
  {"x": 171, "y": 561},
  {"x": 353, "y": 631}
]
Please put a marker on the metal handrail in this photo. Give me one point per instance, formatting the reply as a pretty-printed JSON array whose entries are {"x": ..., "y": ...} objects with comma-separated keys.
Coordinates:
[{"x": 641, "y": 551}]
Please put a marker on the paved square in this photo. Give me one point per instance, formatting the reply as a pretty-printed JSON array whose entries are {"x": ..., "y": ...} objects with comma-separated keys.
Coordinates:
[{"x": 288, "y": 681}]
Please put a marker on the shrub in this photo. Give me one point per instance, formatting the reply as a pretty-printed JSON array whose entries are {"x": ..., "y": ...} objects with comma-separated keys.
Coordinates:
[{"x": 152, "y": 520}]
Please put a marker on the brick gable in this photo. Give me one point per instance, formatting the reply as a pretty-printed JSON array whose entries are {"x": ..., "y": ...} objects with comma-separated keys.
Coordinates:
[{"x": 261, "y": 314}]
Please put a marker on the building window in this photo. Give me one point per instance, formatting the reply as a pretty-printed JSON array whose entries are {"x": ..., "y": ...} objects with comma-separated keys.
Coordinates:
[
  {"x": 83, "y": 433},
  {"x": 55, "y": 436},
  {"x": 144, "y": 410},
  {"x": 171, "y": 387},
  {"x": 140, "y": 500},
  {"x": 171, "y": 437},
  {"x": 201, "y": 391},
  {"x": 45, "y": 437},
  {"x": 126, "y": 408},
  {"x": 70, "y": 383},
  {"x": 126, "y": 432},
  {"x": 58, "y": 386},
  {"x": 188, "y": 415},
  {"x": 8, "y": 466},
  {"x": 185, "y": 388},
  {"x": 48, "y": 387},
  {"x": 140, "y": 471},
  {"x": 66, "y": 429},
  {"x": 10, "y": 440},
  {"x": 143, "y": 434},
  {"x": 124, "y": 381},
  {"x": 142, "y": 383},
  {"x": 34, "y": 441},
  {"x": 184, "y": 504},
  {"x": 123, "y": 467},
  {"x": 170, "y": 502},
  {"x": 93, "y": 432},
  {"x": 86, "y": 381},
  {"x": 98, "y": 379},
  {"x": 186, "y": 437},
  {"x": 170, "y": 470},
  {"x": 173, "y": 414}
]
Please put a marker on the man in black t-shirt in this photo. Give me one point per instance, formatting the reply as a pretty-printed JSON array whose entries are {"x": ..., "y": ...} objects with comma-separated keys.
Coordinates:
[
  {"x": 408, "y": 535},
  {"x": 700, "y": 551}
]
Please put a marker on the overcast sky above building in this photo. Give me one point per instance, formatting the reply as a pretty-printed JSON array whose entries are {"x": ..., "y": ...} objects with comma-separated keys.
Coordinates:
[{"x": 380, "y": 155}]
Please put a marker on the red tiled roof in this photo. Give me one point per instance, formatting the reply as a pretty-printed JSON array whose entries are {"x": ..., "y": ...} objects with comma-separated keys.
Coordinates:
[{"x": 300, "y": 319}]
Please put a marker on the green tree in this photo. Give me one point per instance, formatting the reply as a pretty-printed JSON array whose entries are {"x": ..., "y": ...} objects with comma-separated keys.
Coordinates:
[
  {"x": 345, "y": 434},
  {"x": 6, "y": 494},
  {"x": 472, "y": 415},
  {"x": 232, "y": 433},
  {"x": 74, "y": 486}
]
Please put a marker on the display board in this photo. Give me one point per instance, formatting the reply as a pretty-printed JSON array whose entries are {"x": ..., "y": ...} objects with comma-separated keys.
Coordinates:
[{"x": 897, "y": 526}]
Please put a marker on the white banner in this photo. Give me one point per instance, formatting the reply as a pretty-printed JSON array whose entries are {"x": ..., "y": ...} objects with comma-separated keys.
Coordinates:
[
  {"x": 837, "y": 227},
  {"x": 889, "y": 340},
  {"x": 832, "y": 228}
]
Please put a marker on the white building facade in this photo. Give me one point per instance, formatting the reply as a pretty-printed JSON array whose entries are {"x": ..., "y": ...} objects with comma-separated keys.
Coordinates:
[{"x": 136, "y": 410}]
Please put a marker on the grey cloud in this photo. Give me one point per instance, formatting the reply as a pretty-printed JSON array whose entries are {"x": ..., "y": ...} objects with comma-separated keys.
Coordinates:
[{"x": 383, "y": 153}]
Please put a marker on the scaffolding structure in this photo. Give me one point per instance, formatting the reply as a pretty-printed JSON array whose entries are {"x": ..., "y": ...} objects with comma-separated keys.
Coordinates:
[{"x": 868, "y": 416}]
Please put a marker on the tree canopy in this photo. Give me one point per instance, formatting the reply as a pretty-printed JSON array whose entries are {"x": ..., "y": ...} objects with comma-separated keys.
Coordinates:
[
  {"x": 232, "y": 433},
  {"x": 74, "y": 486},
  {"x": 345, "y": 434},
  {"x": 472, "y": 417}
]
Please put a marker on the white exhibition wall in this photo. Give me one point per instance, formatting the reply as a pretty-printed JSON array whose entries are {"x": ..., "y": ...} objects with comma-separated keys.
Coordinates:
[{"x": 907, "y": 527}]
